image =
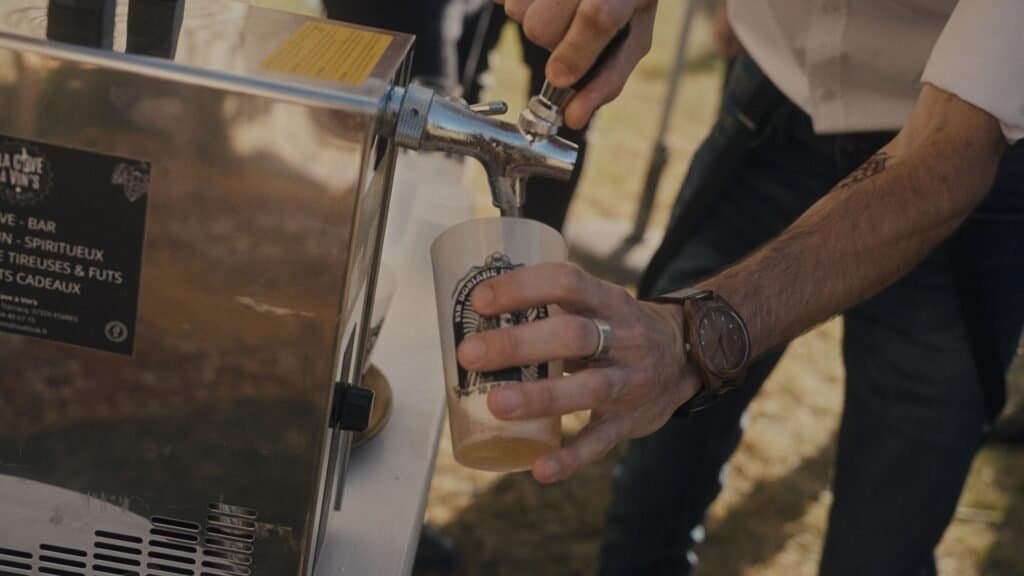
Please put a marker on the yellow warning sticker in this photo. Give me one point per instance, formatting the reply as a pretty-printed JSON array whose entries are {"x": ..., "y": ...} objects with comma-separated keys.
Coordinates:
[{"x": 330, "y": 52}]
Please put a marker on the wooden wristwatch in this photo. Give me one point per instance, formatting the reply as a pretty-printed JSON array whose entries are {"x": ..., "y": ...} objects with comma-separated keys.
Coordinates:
[{"x": 716, "y": 340}]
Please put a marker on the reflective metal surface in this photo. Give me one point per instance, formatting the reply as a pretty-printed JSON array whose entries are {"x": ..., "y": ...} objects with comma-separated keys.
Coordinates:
[
  {"x": 426, "y": 121},
  {"x": 263, "y": 230},
  {"x": 542, "y": 117}
]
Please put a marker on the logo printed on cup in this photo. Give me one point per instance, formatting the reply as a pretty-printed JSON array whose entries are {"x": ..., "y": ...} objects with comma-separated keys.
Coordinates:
[{"x": 468, "y": 321}]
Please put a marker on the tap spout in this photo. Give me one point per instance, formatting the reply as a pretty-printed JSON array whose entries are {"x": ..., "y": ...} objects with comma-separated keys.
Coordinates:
[{"x": 423, "y": 120}]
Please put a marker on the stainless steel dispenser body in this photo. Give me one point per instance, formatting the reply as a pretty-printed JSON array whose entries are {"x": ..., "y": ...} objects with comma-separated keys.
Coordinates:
[{"x": 189, "y": 235}]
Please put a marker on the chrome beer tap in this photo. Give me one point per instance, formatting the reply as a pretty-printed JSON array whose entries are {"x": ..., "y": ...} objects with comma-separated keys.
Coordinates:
[
  {"x": 420, "y": 119},
  {"x": 543, "y": 116}
]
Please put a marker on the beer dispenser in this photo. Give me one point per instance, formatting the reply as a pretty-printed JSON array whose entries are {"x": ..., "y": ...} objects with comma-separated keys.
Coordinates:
[{"x": 192, "y": 205}]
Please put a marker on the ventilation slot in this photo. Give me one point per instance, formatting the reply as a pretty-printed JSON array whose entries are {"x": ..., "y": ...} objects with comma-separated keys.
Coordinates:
[
  {"x": 118, "y": 554},
  {"x": 172, "y": 524},
  {"x": 161, "y": 569},
  {"x": 61, "y": 561},
  {"x": 229, "y": 546},
  {"x": 236, "y": 511},
  {"x": 102, "y": 570},
  {"x": 15, "y": 562},
  {"x": 172, "y": 562},
  {"x": 242, "y": 559},
  {"x": 234, "y": 525},
  {"x": 172, "y": 536},
  {"x": 173, "y": 547},
  {"x": 215, "y": 568},
  {"x": 58, "y": 571},
  {"x": 230, "y": 533},
  {"x": 114, "y": 536}
]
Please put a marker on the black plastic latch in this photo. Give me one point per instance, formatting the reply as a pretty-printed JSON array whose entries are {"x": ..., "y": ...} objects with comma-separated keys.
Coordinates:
[
  {"x": 154, "y": 26},
  {"x": 82, "y": 22},
  {"x": 353, "y": 406}
]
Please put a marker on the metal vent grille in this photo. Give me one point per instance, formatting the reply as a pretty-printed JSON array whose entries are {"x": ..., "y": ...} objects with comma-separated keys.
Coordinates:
[
  {"x": 61, "y": 561},
  {"x": 230, "y": 534},
  {"x": 15, "y": 562},
  {"x": 117, "y": 554},
  {"x": 173, "y": 547},
  {"x": 222, "y": 546}
]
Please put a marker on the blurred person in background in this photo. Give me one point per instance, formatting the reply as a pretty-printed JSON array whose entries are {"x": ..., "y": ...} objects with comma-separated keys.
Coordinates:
[{"x": 864, "y": 163}]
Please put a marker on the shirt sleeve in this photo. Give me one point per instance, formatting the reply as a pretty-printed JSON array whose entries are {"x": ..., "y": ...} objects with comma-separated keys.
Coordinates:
[{"x": 979, "y": 58}]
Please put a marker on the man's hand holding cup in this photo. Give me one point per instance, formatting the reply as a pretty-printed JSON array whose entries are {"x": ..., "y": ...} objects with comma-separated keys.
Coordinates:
[{"x": 627, "y": 360}]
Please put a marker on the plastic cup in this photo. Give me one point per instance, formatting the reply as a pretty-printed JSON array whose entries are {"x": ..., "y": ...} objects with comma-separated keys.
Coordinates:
[{"x": 464, "y": 256}]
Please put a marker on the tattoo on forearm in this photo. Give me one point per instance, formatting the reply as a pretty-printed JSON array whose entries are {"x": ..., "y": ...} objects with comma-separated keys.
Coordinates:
[{"x": 872, "y": 167}]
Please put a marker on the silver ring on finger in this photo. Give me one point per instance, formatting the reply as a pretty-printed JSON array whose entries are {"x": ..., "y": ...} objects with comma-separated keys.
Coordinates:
[{"x": 604, "y": 341}]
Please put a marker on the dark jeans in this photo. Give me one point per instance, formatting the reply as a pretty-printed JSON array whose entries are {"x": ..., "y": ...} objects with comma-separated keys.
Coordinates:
[{"x": 916, "y": 406}]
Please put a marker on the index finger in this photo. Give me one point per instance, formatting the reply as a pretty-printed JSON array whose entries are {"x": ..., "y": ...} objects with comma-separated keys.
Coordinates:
[
  {"x": 551, "y": 283},
  {"x": 595, "y": 24}
]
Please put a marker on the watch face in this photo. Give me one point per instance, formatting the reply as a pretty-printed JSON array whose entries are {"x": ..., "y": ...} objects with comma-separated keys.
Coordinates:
[{"x": 723, "y": 341}]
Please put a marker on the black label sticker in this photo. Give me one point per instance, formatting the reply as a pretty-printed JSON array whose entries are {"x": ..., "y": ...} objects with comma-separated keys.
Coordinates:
[
  {"x": 468, "y": 321},
  {"x": 71, "y": 232}
]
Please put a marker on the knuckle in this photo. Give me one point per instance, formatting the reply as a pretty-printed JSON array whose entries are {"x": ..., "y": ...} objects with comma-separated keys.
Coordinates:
[
  {"x": 538, "y": 396},
  {"x": 609, "y": 438},
  {"x": 538, "y": 33},
  {"x": 515, "y": 10},
  {"x": 615, "y": 91},
  {"x": 644, "y": 339},
  {"x": 571, "y": 460},
  {"x": 647, "y": 44},
  {"x": 507, "y": 343},
  {"x": 621, "y": 297},
  {"x": 533, "y": 30},
  {"x": 579, "y": 333},
  {"x": 599, "y": 387},
  {"x": 571, "y": 63},
  {"x": 600, "y": 17},
  {"x": 644, "y": 376},
  {"x": 622, "y": 384},
  {"x": 571, "y": 281}
]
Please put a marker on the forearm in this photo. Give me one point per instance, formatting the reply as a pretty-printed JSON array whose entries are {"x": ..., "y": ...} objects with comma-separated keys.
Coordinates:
[{"x": 872, "y": 228}]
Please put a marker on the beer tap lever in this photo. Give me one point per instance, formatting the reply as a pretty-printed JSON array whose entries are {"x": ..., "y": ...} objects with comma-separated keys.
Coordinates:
[
  {"x": 496, "y": 108},
  {"x": 420, "y": 119},
  {"x": 543, "y": 116}
]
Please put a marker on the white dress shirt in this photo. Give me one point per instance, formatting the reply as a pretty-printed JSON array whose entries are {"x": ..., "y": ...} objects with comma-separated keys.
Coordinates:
[{"x": 857, "y": 65}]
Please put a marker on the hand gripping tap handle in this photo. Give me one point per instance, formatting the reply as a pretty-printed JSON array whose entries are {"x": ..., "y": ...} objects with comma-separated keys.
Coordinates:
[
  {"x": 559, "y": 97},
  {"x": 542, "y": 117}
]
